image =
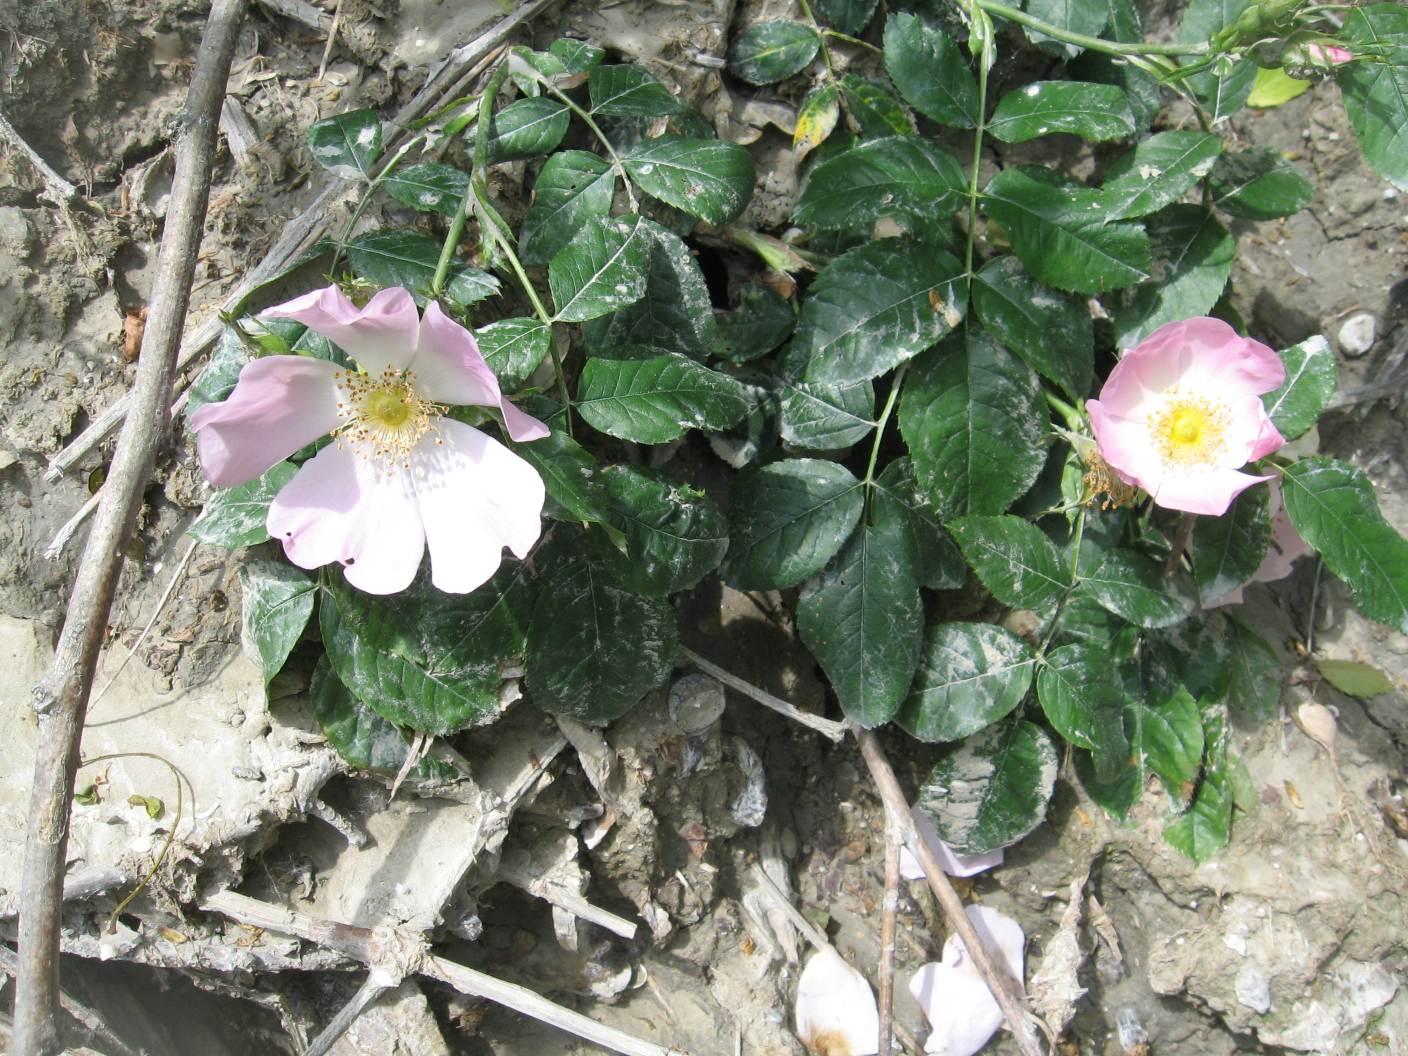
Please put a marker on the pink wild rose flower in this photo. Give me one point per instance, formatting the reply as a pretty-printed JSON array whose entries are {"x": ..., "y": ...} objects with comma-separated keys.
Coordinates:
[
  {"x": 1181, "y": 414},
  {"x": 1328, "y": 54},
  {"x": 400, "y": 474}
]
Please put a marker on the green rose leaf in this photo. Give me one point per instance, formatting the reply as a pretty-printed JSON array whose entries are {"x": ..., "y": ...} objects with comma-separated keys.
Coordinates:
[
  {"x": 573, "y": 188},
  {"x": 1311, "y": 375},
  {"x": 347, "y": 145},
  {"x": 221, "y": 373},
  {"x": 569, "y": 475},
  {"x": 1221, "y": 94},
  {"x": 1096, "y": 112},
  {"x": 513, "y": 348},
  {"x": 787, "y": 520},
  {"x": 970, "y": 675},
  {"x": 527, "y": 128},
  {"x": 1193, "y": 256},
  {"x": 1171, "y": 741},
  {"x": 973, "y": 418},
  {"x": 1206, "y": 827},
  {"x": 236, "y": 516},
  {"x": 1081, "y": 698},
  {"x": 816, "y": 119},
  {"x": 655, "y": 400},
  {"x": 629, "y": 91},
  {"x": 1332, "y": 506},
  {"x": 409, "y": 259},
  {"x": 1228, "y": 549},
  {"x": 602, "y": 269},
  {"x": 426, "y": 659},
  {"x": 1356, "y": 679},
  {"x": 1052, "y": 331},
  {"x": 875, "y": 108},
  {"x": 826, "y": 417},
  {"x": 874, "y": 307},
  {"x": 674, "y": 535},
  {"x": 1059, "y": 231},
  {"x": 1376, "y": 92},
  {"x": 1158, "y": 172},
  {"x": 576, "y": 56},
  {"x": 992, "y": 789},
  {"x": 882, "y": 177},
  {"x": 428, "y": 187},
  {"x": 1134, "y": 588},
  {"x": 849, "y": 16},
  {"x": 1084, "y": 17},
  {"x": 1014, "y": 559},
  {"x": 757, "y": 326},
  {"x": 1254, "y": 689},
  {"x": 594, "y": 649},
  {"x": 278, "y": 599},
  {"x": 863, "y": 619},
  {"x": 708, "y": 178},
  {"x": 1259, "y": 185},
  {"x": 772, "y": 51},
  {"x": 930, "y": 71},
  {"x": 941, "y": 565},
  {"x": 361, "y": 736}
]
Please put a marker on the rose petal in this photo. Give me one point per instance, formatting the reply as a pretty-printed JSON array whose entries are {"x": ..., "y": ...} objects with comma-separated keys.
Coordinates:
[
  {"x": 836, "y": 1012},
  {"x": 343, "y": 506},
  {"x": 475, "y": 497},
  {"x": 450, "y": 369},
  {"x": 380, "y": 336},
  {"x": 952, "y": 864},
  {"x": 1208, "y": 491},
  {"x": 279, "y": 404},
  {"x": 999, "y": 932},
  {"x": 1126, "y": 445},
  {"x": 962, "y": 1013},
  {"x": 1199, "y": 355}
]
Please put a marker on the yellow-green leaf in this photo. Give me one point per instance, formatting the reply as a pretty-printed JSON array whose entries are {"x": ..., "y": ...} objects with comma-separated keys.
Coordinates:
[
  {"x": 1274, "y": 87},
  {"x": 816, "y": 119},
  {"x": 1358, "y": 680}
]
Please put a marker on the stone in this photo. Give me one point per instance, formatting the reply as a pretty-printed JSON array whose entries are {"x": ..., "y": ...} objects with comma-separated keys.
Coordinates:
[{"x": 1357, "y": 334}]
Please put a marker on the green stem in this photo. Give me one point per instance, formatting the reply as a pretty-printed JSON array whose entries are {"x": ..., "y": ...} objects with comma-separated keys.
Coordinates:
[
  {"x": 1109, "y": 47},
  {"x": 884, "y": 420},
  {"x": 371, "y": 189},
  {"x": 977, "y": 164},
  {"x": 836, "y": 33},
  {"x": 616, "y": 163},
  {"x": 820, "y": 32},
  {"x": 1074, "y": 421}
]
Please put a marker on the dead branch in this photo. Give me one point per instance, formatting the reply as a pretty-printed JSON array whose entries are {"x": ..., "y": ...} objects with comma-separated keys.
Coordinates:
[
  {"x": 889, "y": 919},
  {"x": 372, "y": 988},
  {"x": 57, "y": 189},
  {"x": 826, "y": 727},
  {"x": 61, "y": 698}
]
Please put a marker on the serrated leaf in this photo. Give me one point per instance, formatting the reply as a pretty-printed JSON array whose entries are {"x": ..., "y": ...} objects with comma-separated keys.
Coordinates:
[
  {"x": 1254, "y": 689},
  {"x": 426, "y": 659},
  {"x": 1220, "y": 94},
  {"x": 882, "y": 177},
  {"x": 277, "y": 601},
  {"x": 629, "y": 91},
  {"x": 1274, "y": 87},
  {"x": 1356, "y": 679},
  {"x": 1059, "y": 231},
  {"x": 236, "y": 516},
  {"x": 1206, "y": 827},
  {"x": 970, "y": 675},
  {"x": 674, "y": 315},
  {"x": 973, "y": 418},
  {"x": 654, "y": 400},
  {"x": 874, "y": 307},
  {"x": 708, "y": 178},
  {"x": 762, "y": 322},
  {"x": 849, "y": 16},
  {"x": 527, "y": 128},
  {"x": 1014, "y": 559},
  {"x": 1095, "y": 112},
  {"x": 930, "y": 71},
  {"x": 1158, "y": 172},
  {"x": 1193, "y": 256},
  {"x": 787, "y": 520},
  {"x": 1051, "y": 331},
  {"x": 569, "y": 476},
  {"x": 1081, "y": 698},
  {"x": 826, "y": 417},
  {"x": 674, "y": 535},
  {"x": 941, "y": 565},
  {"x": 1085, "y": 17},
  {"x": 513, "y": 348},
  {"x": 1228, "y": 549},
  {"x": 1311, "y": 376},
  {"x": 407, "y": 258},
  {"x": 1375, "y": 92},
  {"x": 1259, "y": 185},
  {"x": 577, "y": 56},
  {"x": 1134, "y": 588},
  {"x": 595, "y": 649},
  {"x": 874, "y": 108},
  {"x": 1171, "y": 742},
  {"x": 1332, "y": 506},
  {"x": 991, "y": 790},
  {"x": 863, "y": 619},
  {"x": 362, "y": 737},
  {"x": 816, "y": 119},
  {"x": 347, "y": 145},
  {"x": 600, "y": 270},
  {"x": 766, "y": 52},
  {"x": 428, "y": 187},
  {"x": 573, "y": 187}
]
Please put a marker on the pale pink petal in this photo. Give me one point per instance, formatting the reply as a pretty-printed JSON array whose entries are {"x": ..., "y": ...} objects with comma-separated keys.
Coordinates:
[
  {"x": 379, "y": 336},
  {"x": 475, "y": 498},
  {"x": 279, "y": 404},
  {"x": 836, "y": 1011},
  {"x": 1268, "y": 439},
  {"x": 449, "y": 368},
  {"x": 343, "y": 506},
  {"x": 1126, "y": 445},
  {"x": 963, "y": 1015},
  {"x": 1200, "y": 355},
  {"x": 1000, "y": 934},
  {"x": 952, "y": 864},
  {"x": 1208, "y": 491},
  {"x": 1328, "y": 53},
  {"x": 1286, "y": 545}
]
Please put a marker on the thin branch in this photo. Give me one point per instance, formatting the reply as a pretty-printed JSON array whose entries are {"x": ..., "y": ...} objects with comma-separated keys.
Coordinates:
[
  {"x": 372, "y": 988},
  {"x": 826, "y": 727},
  {"x": 61, "y": 698},
  {"x": 889, "y": 917},
  {"x": 57, "y": 189}
]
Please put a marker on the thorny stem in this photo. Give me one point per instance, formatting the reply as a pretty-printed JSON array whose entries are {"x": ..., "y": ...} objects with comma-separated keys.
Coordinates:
[
  {"x": 1109, "y": 47},
  {"x": 977, "y": 163},
  {"x": 884, "y": 420}
]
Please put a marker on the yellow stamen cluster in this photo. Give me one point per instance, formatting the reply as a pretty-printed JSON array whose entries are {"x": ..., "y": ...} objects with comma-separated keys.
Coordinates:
[
  {"x": 1189, "y": 430},
  {"x": 383, "y": 416}
]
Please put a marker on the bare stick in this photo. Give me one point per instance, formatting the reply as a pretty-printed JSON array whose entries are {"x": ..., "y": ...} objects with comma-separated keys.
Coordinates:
[
  {"x": 61, "y": 698},
  {"x": 57, "y": 189},
  {"x": 834, "y": 730},
  {"x": 813, "y": 934},
  {"x": 556, "y": 895},
  {"x": 889, "y": 911},
  {"x": 992, "y": 969},
  {"x": 332, "y": 39},
  {"x": 372, "y": 988},
  {"x": 299, "y": 11}
]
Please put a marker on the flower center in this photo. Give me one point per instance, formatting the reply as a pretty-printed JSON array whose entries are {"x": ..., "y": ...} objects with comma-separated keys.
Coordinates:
[
  {"x": 383, "y": 416},
  {"x": 1189, "y": 430}
]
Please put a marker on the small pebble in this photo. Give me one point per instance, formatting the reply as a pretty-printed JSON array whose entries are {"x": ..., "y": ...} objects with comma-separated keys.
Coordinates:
[{"x": 1357, "y": 334}]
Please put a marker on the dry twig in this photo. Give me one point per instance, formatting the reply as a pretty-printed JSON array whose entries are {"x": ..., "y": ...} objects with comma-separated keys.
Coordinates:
[
  {"x": 834, "y": 730},
  {"x": 373, "y": 986},
  {"x": 61, "y": 698},
  {"x": 889, "y": 914},
  {"x": 57, "y": 189}
]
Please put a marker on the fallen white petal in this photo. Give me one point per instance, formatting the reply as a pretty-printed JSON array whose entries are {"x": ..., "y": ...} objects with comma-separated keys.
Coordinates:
[
  {"x": 836, "y": 1011},
  {"x": 999, "y": 932},
  {"x": 962, "y": 1013},
  {"x": 950, "y": 863}
]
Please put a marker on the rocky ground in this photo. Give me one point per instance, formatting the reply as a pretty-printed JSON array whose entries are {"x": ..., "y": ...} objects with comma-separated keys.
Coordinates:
[{"x": 1294, "y": 939}]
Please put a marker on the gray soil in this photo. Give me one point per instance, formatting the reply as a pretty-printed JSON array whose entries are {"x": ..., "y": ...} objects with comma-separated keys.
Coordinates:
[{"x": 1293, "y": 939}]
